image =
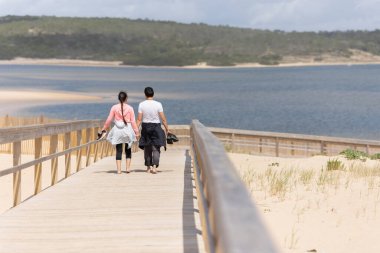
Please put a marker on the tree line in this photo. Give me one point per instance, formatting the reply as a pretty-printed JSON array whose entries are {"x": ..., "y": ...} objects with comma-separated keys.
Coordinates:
[{"x": 147, "y": 42}]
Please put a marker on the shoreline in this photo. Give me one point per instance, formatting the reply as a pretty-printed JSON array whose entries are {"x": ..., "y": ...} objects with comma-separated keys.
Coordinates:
[{"x": 90, "y": 63}]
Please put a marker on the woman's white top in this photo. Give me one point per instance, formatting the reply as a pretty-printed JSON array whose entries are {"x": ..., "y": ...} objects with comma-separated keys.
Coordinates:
[
  {"x": 121, "y": 133},
  {"x": 150, "y": 110}
]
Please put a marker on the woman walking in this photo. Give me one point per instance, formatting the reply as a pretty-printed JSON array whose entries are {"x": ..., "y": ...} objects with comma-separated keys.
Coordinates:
[
  {"x": 124, "y": 131},
  {"x": 150, "y": 115}
]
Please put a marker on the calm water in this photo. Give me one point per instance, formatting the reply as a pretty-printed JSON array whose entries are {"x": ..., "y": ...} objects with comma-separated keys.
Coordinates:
[{"x": 337, "y": 101}]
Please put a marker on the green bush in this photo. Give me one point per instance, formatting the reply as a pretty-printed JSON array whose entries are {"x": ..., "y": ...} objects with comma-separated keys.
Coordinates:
[
  {"x": 270, "y": 59},
  {"x": 352, "y": 154},
  {"x": 375, "y": 156}
]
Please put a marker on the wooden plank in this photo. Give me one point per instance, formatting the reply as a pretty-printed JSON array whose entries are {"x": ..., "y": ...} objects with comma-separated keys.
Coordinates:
[
  {"x": 66, "y": 146},
  {"x": 97, "y": 210},
  {"x": 38, "y": 166},
  {"x": 54, "y": 161},
  {"x": 17, "y": 175}
]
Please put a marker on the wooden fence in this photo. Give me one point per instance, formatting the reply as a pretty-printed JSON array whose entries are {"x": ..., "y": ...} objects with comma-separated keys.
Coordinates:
[
  {"x": 230, "y": 221},
  {"x": 27, "y": 146},
  {"x": 9, "y": 121},
  {"x": 78, "y": 139},
  {"x": 286, "y": 145}
]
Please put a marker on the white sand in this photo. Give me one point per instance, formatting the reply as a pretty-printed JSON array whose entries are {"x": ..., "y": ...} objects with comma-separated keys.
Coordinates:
[
  {"x": 12, "y": 101},
  {"x": 335, "y": 211}
]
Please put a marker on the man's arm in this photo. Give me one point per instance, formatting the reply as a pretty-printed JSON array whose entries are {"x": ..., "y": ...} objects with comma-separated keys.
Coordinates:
[
  {"x": 164, "y": 122},
  {"x": 139, "y": 120}
]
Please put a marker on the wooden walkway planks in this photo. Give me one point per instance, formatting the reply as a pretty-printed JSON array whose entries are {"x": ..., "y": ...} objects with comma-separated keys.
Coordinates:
[{"x": 97, "y": 210}]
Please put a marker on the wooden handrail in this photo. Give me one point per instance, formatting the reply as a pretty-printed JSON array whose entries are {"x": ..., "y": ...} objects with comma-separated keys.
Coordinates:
[
  {"x": 291, "y": 136},
  {"x": 287, "y": 144},
  {"x": 43, "y": 159},
  {"x": 16, "y": 135},
  {"x": 235, "y": 225}
]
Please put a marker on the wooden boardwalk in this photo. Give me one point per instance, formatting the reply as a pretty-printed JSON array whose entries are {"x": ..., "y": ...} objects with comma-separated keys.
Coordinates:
[{"x": 97, "y": 210}]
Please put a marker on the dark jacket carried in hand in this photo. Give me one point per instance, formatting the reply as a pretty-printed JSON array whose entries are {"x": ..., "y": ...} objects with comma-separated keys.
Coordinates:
[{"x": 152, "y": 134}]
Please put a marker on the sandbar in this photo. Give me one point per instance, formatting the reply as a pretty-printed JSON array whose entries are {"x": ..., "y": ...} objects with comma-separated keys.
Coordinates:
[{"x": 12, "y": 101}]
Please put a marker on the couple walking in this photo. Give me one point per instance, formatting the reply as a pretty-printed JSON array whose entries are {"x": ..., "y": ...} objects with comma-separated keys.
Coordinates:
[{"x": 126, "y": 130}]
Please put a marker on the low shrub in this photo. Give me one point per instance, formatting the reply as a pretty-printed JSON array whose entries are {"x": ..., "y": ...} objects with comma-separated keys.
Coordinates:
[
  {"x": 334, "y": 164},
  {"x": 352, "y": 154},
  {"x": 375, "y": 156}
]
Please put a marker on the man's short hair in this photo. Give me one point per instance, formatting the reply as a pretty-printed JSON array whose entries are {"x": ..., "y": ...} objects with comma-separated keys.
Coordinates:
[{"x": 149, "y": 92}]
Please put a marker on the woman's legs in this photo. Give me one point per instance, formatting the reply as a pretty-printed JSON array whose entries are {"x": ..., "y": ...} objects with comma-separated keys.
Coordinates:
[
  {"x": 128, "y": 156},
  {"x": 119, "y": 152}
]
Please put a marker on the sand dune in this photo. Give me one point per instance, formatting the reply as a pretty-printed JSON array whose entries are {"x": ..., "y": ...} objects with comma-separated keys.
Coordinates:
[{"x": 311, "y": 209}]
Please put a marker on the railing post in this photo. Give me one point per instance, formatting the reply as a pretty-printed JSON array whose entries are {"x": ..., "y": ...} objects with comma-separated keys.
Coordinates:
[
  {"x": 96, "y": 148},
  {"x": 367, "y": 149},
  {"x": 54, "y": 161},
  {"x": 88, "y": 148},
  {"x": 41, "y": 119},
  {"x": 277, "y": 147},
  {"x": 102, "y": 145},
  {"x": 106, "y": 147},
  {"x": 260, "y": 145},
  {"x": 292, "y": 148},
  {"x": 323, "y": 147},
  {"x": 79, "y": 152},
  {"x": 67, "y": 145},
  {"x": 37, "y": 167},
  {"x": 16, "y": 175},
  {"x": 233, "y": 142}
]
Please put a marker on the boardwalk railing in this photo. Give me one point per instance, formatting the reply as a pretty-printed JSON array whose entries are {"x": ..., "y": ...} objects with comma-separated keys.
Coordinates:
[
  {"x": 230, "y": 220},
  {"x": 284, "y": 144},
  {"x": 86, "y": 148}
]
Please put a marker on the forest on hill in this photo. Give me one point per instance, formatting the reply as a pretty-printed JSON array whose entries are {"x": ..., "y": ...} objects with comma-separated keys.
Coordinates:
[{"x": 160, "y": 43}]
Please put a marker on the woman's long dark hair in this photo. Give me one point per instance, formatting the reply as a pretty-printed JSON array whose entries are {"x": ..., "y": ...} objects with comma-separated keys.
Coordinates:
[{"x": 122, "y": 98}]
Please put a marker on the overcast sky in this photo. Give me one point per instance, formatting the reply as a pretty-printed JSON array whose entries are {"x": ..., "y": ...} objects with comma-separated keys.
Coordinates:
[{"x": 289, "y": 15}]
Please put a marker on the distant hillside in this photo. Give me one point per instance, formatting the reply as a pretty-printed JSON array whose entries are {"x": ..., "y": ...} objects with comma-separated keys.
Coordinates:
[{"x": 143, "y": 42}]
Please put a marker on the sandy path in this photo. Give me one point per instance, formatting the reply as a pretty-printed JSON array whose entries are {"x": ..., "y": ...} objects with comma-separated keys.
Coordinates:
[{"x": 310, "y": 209}]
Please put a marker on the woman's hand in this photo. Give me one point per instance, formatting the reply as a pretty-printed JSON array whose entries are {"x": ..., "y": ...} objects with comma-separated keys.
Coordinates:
[{"x": 101, "y": 134}]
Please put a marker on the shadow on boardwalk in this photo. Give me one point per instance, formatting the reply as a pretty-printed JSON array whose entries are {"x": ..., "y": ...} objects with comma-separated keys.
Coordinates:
[{"x": 190, "y": 231}]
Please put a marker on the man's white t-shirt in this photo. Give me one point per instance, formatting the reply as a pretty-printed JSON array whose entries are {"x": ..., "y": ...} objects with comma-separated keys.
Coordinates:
[{"x": 150, "y": 110}]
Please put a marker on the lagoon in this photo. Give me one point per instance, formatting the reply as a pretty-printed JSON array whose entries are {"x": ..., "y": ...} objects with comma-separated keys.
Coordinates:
[{"x": 326, "y": 100}]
